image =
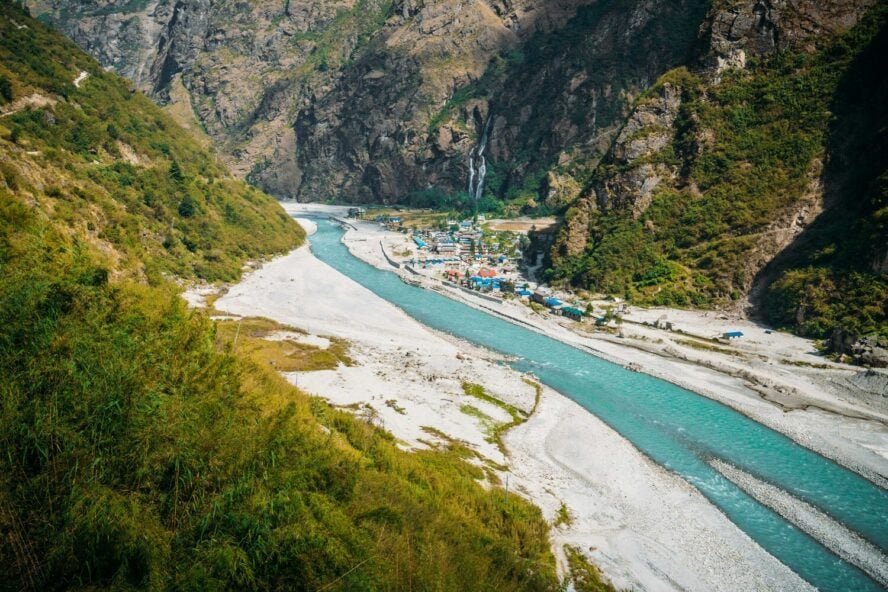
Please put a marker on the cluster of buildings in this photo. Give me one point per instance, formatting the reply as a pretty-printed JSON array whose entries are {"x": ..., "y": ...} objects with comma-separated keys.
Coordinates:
[
  {"x": 460, "y": 239},
  {"x": 467, "y": 243},
  {"x": 463, "y": 253},
  {"x": 481, "y": 260}
]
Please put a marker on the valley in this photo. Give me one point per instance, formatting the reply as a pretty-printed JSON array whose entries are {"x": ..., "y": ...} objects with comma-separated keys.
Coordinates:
[
  {"x": 443, "y": 295},
  {"x": 424, "y": 409}
]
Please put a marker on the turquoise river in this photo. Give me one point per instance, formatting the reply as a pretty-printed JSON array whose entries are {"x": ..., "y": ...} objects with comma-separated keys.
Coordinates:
[{"x": 678, "y": 429}]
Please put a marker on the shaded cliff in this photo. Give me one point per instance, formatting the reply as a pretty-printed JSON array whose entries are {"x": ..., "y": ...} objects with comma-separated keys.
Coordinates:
[{"x": 371, "y": 100}]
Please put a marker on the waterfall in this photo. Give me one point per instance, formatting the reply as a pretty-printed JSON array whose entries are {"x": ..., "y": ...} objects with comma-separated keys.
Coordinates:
[
  {"x": 478, "y": 164},
  {"x": 471, "y": 173}
]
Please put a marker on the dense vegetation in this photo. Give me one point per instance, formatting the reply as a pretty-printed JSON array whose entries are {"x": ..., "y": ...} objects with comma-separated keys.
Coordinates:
[
  {"x": 107, "y": 162},
  {"x": 140, "y": 448},
  {"x": 836, "y": 277},
  {"x": 746, "y": 150},
  {"x": 136, "y": 454}
]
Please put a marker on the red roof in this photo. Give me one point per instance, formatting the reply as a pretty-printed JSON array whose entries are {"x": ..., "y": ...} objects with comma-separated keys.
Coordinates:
[{"x": 487, "y": 273}]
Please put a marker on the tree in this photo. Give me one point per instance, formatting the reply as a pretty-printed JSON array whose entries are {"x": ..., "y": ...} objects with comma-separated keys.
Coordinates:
[
  {"x": 5, "y": 90},
  {"x": 187, "y": 207},
  {"x": 176, "y": 172}
]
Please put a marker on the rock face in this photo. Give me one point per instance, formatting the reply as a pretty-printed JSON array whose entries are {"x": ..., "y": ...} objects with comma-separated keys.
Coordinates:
[
  {"x": 646, "y": 133},
  {"x": 753, "y": 28},
  {"x": 563, "y": 95},
  {"x": 872, "y": 351},
  {"x": 367, "y": 100}
]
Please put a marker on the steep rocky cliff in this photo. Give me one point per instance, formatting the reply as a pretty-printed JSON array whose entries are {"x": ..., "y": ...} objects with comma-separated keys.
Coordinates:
[
  {"x": 374, "y": 100},
  {"x": 247, "y": 67}
]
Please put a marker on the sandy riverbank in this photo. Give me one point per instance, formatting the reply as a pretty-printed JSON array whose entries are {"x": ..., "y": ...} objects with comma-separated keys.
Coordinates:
[
  {"x": 645, "y": 527},
  {"x": 778, "y": 379}
]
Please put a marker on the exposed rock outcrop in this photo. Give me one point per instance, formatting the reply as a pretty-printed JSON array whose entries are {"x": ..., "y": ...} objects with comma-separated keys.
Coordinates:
[
  {"x": 365, "y": 100},
  {"x": 637, "y": 172},
  {"x": 871, "y": 350},
  {"x": 742, "y": 28}
]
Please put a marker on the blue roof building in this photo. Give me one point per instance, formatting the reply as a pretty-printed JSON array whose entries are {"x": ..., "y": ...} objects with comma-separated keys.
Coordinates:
[{"x": 572, "y": 313}]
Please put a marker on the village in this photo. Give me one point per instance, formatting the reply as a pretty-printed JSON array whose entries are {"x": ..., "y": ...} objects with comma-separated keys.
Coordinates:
[
  {"x": 475, "y": 255},
  {"x": 487, "y": 259}
]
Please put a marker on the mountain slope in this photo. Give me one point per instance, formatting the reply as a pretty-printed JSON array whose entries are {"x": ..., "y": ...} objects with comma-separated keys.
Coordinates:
[
  {"x": 140, "y": 451},
  {"x": 116, "y": 170},
  {"x": 725, "y": 165},
  {"x": 380, "y": 101},
  {"x": 833, "y": 279}
]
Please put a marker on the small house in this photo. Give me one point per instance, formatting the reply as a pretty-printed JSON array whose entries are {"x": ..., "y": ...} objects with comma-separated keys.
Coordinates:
[
  {"x": 572, "y": 313},
  {"x": 553, "y": 303}
]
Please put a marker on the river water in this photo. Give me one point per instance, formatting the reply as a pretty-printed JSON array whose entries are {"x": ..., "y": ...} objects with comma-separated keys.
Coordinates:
[{"x": 678, "y": 429}]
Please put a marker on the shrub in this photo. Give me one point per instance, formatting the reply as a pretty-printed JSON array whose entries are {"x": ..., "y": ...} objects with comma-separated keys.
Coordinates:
[{"x": 187, "y": 207}]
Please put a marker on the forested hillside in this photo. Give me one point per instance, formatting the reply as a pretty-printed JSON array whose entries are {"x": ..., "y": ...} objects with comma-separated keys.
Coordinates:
[
  {"x": 757, "y": 173},
  {"x": 139, "y": 450}
]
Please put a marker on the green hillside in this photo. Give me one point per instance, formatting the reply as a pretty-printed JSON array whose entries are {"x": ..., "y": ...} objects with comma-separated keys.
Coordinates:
[
  {"x": 139, "y": 451},
  {"x": 744, "y": 154},
  {"x": 836, "y": 275},
  {"x": 115, "y": 171}
]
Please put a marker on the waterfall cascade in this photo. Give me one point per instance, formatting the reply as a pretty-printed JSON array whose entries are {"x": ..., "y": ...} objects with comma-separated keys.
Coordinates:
[{"x": 478, "y": 164}]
